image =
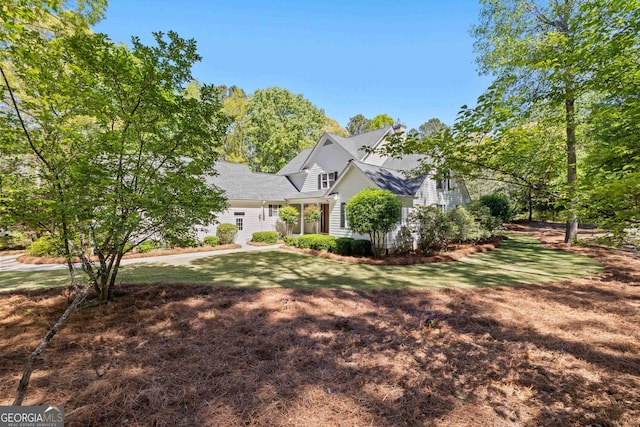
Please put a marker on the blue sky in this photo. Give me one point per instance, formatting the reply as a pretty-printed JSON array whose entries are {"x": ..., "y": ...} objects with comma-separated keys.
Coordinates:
[{"x": 412, "y": 60}]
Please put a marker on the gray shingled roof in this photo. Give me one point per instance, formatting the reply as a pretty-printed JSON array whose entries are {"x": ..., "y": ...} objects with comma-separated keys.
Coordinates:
[
  {"x": 406, "y": 163},
  {"x": 239, "y": 183},
  {"x": 296, "y": 163},
  {"x": 390, "y": 179},
  {"x": 355, "y": 143}
]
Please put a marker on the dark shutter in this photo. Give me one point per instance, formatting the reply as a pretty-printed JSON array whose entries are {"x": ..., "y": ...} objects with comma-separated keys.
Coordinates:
[
  {"x": 319, "y": 183},
  {"x": 343, "y": 215},
  {"x": 270, "y": 210}
]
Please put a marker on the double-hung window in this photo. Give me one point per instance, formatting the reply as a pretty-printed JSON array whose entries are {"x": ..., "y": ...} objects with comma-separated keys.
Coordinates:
[
  {"x": 326, "y": 180},
  {"x": 273, "y": 210}
]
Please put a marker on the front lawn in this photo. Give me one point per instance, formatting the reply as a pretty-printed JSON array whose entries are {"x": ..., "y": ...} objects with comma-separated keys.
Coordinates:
[{"x": 519, "y": 261}]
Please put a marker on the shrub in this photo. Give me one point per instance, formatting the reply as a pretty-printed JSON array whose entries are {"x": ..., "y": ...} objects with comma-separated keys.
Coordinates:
[
  {"x": 374, "y": 212},
  {"x": 46, "y": 246},
  {"x": 265, "y": 236},
  {"x": 499, "y": 205},
  {"x": 465, "y": 226},
  {"x": 312, "y": 215},
  {"x": 290, "y": 216},
  {"x": 433, "y": 227},
  {"x": 181, "y": 242},
  {"x": 226, "y": 233},
  {"x": 482, "y": 214},
  {"x": 343, "y": 246},
  {"x": 211, "y": 240},
  {"x": 148, "y": 246},
  {"x": 361, "y": 247},
  {"x": 320, "y": 242},
  {"x": 290, "y": 241},
  {"x": 404, "y": 241}
]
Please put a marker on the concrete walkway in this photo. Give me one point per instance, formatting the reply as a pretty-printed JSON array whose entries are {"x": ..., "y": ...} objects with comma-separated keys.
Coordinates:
[{"x": 9, "y": 263}]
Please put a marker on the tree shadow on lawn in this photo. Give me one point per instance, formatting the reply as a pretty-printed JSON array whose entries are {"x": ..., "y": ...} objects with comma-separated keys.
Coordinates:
[
  {"x": 520, "y": 262},
  {"x": 204, "y": 355}
]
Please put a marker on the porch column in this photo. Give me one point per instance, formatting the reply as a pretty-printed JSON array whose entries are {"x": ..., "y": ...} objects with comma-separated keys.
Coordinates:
[{"x": 301, "y": 219}]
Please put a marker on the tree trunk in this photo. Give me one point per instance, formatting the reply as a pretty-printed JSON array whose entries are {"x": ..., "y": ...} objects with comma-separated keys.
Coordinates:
[
  {"x": 44, "y": 342},
  {"x": 571, "y": 231},
  {"x": 530, "y": 205}
]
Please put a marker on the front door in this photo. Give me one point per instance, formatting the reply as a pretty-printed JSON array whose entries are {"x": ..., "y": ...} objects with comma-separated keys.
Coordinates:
[{"x": 324, "y": 218}]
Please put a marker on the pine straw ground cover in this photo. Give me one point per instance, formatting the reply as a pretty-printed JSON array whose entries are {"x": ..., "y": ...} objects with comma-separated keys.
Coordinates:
[{"x": 564, "y": 353}]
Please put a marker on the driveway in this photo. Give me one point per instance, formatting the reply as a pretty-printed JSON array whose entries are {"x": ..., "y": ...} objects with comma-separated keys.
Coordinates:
[{"x": 9, "y": 263}]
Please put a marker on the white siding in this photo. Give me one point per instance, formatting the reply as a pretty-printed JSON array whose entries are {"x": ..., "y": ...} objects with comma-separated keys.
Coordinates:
[
  {"x": 256, "y": 218},
  {"x": 329, "y": 158},
  {"x": 429, "y": 195},
  {"x": 348, "y": 187}
]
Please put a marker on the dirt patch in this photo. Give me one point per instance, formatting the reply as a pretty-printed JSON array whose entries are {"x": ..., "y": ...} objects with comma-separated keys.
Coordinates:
[
  {"x": 453, "y": 254},
  {"x": 563, "y": 353},
  {"x": 25, "y": 259}
]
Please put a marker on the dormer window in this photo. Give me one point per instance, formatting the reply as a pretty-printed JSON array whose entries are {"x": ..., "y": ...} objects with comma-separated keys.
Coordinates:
[{"x": 326, "y": 180}]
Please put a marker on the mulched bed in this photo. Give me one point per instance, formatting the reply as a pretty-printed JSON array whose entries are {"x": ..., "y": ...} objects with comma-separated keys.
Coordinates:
[
  {"x": 26, "y": 259},
  {"x": 564, "y": 353}
]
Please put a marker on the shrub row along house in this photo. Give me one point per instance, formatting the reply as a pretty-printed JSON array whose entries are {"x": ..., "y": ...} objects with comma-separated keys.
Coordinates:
[{"x": 327, "y": 176}]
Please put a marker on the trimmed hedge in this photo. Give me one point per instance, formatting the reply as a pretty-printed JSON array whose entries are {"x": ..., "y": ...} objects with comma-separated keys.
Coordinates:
[
  {"x": 211, "y": 240},
  {"x": 361, "y": 247},
  {"x": 343, "y": 246},
  {"x": 319, "y": 242},
  {"x": 290, "y": 241},
  {"x": 226, "y": 233},
  {"x": 265, "y": 236}
]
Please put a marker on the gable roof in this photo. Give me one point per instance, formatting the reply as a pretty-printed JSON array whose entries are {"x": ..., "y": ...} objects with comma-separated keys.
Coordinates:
[
  {"x": 353, "y": 145},
  {"x": 239, "y": 183},
  {"x": 296, "y": 163}
]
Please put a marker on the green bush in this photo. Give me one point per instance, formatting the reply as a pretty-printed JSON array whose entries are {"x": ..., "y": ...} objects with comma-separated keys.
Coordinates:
[
  {"x": 465, "y": 226},
  {"x": 343, "y": 245},
  {"x": 482, "y": 214},
  {"x": 181, "y": 242},
  {"x": 211, "y": 240},
  {"x": 290, "y": 216},
  {"x": 46, "y": 246},
  {"x": 290, "y": 241},
  {"x": 361, "y": 247},
  {"x": 265, "y": 236},
  {"x": 226, "y": 233},
  {"x": 403, "y": 241},
  {"x": 148, "y": 246},
  {"x": 433, "y": 227},
  {"x": 320, "y": 242},
  {"x": 499, "y": 205}
]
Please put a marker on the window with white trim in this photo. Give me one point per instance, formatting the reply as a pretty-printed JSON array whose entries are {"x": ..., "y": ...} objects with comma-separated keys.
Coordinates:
[
  {"x": 326, "y": 180},
  {"x": 273, "y": 210}
]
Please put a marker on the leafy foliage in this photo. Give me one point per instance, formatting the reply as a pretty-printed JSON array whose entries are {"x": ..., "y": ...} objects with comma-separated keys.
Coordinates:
[
  {"x": 279, "y": 125},
  {"x": 380, "y": 121},
  {"x": 376, "y": 213},
  {"x": 226, "y": 233},
  {"x": 499, "y": 205},
  {"x": 101, "y": 145},
  {"x": 265, "y": 236},
  {"x": 361, "y": 247},
  {"x": 319, "y": 242},
  {"x": 290, "y": 216},
  {"x": 290, "y": 241},
  {"x": 47, "y": 245},
  {"x": 211, "y": 240},
  {"x": 358, "y": 124},
  {"x": 148, "y": 246},
  {"x": 343, "y": 246},
  {"x": 312, "y": 215}
]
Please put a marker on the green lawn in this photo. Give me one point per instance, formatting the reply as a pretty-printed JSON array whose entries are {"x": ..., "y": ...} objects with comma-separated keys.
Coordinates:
[{"x": 520, "y": 260}]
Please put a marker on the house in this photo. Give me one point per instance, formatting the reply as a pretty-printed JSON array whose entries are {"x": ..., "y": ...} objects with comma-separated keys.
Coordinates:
[{"x": 328, "y": 175}]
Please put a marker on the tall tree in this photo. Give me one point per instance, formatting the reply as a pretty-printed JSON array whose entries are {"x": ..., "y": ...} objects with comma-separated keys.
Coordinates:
[
  {"x": 433, "y": 126},
  {"x": 332, "y": 126},
  {"x": 235, "y": 106},
  {"x": 280, "y": 124},
  {"x": 381, "y": 120},
  {"x": 358, "y": 124},
  {"x": 110, "y": 164}
]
